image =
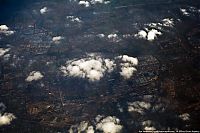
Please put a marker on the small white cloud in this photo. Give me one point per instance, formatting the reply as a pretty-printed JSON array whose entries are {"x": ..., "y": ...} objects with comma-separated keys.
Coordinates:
[
  {"x": 93, "y": 67},
  {"x": 114, "y": 37},
  {"x": 3, "y": 51},
  {"x": 184, "y": 12},
  {"x": 97, "y": 1},
  {"x": 138, "y": 106},
  {"x": 43, "y": 10},
  {"x": 152, "y": 34},
  {"x": 85, "y": 3},
  {"x": 141, "y": 34},
  {"x": 185, "y": 116},
  {"x": 82, "y": 127},
  {"x": 148, "y": 125},
  {"x": 128, "y": 66},
  {"x": 127, "y": 72},
  {"x": 34, "y": 75},
  {"x": 110, "y": 124},
  {"x": 57, "y": 39},
  {"x": 168, "y": 22},
  {"x": 101, "y": 35},
  {"x": 4, "y": 29},
  {"x": 74, "y": 19},
  {"x": 6, "y": 118}
]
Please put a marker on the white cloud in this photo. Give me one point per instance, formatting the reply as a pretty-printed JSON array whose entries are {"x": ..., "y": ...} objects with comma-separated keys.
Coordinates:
[
  {"x": 34, "y": 75},
  {"x": 184, "y": 12},
  {"x": 110, "y": 124},
  {"x": 93, "y": 67},
  {"x": 128, "y": 66},
  {"x": 148, "y": 125},
  {"x": 185, "y": 116},
  {"x": 43, "y": 10},
  {"x": 6, "y": 118},
  {"x": 5, "y": 30},
  {"x": 113, "y": 37},
  {"x": 90, "y": 129},
  {"x": 82, "y": 127},
  {"x": 85, "y": 3},
  {"x": 152, "y": 34},
  {"x": 57, "y": 39},
  {"x": 74, "y": 19},
  {"x": 141, "y": 34},
  {"x": 97, "y": 1},
  {"x": 3, "y": 51},
  {"x": 138, "y": 106},
  {"x": 101, "y": 35},
  {"x": 168, "y": 22}
]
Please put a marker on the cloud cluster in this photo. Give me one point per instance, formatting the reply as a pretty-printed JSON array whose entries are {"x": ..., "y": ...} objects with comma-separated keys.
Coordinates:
[
  {"x": 43, "y": 10},
  {"x": 189, "y": 10},
  {"x": 4, "y": 29},
  {"x": 127, "y": 66},
  {"x": 3, "y": 51},
  {"x": 93, "y": 67},
  {"x": 139, "y": 107},
  {"x": 5, "y": 118},
  {"x": 110, "y": 124},
  {"x": 34, "y": 75},
  {"x": 151, "y": 32}
]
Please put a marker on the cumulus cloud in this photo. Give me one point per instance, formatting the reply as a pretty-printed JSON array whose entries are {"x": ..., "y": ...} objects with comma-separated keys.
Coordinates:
[
  {"x": 141, "y": 34},
  {"x": 57, "y": 39},
  {"x": 85, "y": 3},
  {"x": 185, "y": 116},
  {"x": 152, "y": 34},
  {"x": 4, "y": 29},
  {"x": 3, "y": 51},
  {"x": 5, "y": 118},
  {"x": 128, "y": 66},
  {"x": 138, "y": 106},
  {"x": 110, "y": 124},
  {"x": 34, "y": 75},
  {"x": 43, "y": 10},
  {"x": 93, "y": 67}
]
